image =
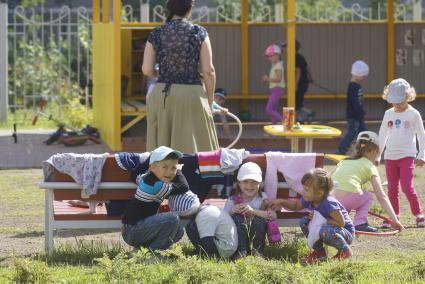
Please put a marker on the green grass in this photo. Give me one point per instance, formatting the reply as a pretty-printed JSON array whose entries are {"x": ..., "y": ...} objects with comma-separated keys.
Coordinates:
[
  {"x": 21, "y": 199},
  {"x": 181, "y": 268},
  {"x": 397, "y": 259},
  {"x": 23, "y": 119}
]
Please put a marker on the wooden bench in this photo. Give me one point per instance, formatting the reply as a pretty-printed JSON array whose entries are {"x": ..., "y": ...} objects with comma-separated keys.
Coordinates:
[
  {"x": 132, "y": 108},
  {"x": 116, "y": 184}
]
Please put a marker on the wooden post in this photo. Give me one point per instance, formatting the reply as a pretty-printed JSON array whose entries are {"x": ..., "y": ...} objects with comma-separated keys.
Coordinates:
[
  {"x": 390, "y": 41},
  {"x": 245, "y": 54},
  {"x": 3, "y": 63},
  {"x": 106, "y": 7},
  {"x": 96, "y": 11},
  {"x": 290, "y": 48}
]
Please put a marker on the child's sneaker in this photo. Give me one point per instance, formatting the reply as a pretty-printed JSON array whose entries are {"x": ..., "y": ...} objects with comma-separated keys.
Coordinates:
[
  {"x": 366, "y": 228},
  {"x": 386, "y": 225},
  {"x": 315, "y": 256},
  {"x": 420, "y": 222},
  {"x": 343, "y": 254}
]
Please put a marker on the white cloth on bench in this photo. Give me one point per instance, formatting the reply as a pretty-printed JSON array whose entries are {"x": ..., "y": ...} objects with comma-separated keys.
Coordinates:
[
  {"x": 292, "y": 165},
  {"x": 85, "y": 169},
  {"x": 231, "y": 159}
]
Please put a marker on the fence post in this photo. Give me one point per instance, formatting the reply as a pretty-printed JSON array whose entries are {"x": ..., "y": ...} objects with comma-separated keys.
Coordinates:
[
  {"x": 144, "y": 11},
  {"x": 417, "y": 10},
  {"x": 3, "y": 62}
]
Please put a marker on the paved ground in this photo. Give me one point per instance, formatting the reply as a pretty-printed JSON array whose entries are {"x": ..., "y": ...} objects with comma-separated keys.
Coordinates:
[{"x": 30, "y": 150}]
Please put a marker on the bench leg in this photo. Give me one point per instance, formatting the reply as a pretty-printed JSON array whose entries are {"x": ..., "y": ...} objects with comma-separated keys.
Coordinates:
[{"x": 48, "y": 221}]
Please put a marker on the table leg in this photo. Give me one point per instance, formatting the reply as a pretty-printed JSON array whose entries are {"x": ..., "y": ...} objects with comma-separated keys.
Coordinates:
[
  {"x": 309, "y": 145},
  {"x": 294, "y": 145}
]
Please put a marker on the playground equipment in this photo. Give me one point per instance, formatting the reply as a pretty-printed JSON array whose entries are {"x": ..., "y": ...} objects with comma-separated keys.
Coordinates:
[
  {"x": 218, "y": 109},
  {"x": 118, "y": 50},
  {"x": 65, "y": 134}
]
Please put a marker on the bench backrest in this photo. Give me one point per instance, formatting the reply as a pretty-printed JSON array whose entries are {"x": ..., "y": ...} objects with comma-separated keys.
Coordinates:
[{"x": 111, "y": 172}]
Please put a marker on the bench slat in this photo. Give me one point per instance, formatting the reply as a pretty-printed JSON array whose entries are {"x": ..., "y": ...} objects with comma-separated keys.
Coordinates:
[
  {"x": 138, "y": 105},
  {"x": 125, "y": 107},
  {"x": 113, "y": 194}
]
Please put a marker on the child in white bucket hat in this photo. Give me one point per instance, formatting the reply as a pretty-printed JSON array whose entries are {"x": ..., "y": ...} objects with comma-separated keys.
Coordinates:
[
  {"x": 400, "y": 127},
  {"x": 248, "y": 210},
  {"x": 355, "y": 111}
]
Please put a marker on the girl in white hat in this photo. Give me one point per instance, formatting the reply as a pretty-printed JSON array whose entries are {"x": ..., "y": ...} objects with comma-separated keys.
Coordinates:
[
  {"x": 248, "y": 210},
  {"x": 400, "y": 127}
]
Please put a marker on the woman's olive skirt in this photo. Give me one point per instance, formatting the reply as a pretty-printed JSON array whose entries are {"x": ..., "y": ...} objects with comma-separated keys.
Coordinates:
[{"x": 181, "y": 120}]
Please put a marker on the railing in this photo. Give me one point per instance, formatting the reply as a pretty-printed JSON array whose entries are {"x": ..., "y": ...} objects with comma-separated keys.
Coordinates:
[
  {"x": 49, "y": 55},
  {"x": 322, "y": 12}
]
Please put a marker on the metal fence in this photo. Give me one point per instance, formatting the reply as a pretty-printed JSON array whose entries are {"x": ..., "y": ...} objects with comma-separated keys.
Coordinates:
[{"x": 49, "y": 55}]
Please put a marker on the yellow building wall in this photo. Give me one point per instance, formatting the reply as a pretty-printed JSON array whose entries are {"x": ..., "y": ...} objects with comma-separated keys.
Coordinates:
[{"x": 106, "y": 84}]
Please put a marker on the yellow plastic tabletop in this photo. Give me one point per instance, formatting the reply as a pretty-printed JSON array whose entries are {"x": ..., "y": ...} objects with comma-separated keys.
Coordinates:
[{"x": 306, "y": 130}]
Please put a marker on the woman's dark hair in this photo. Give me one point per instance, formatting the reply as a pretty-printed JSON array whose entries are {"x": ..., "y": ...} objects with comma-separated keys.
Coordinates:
[
  {"x": 362, "y": 147},
  {"x": 319, "y": 179},
  {"x": 179, "y": 8}
]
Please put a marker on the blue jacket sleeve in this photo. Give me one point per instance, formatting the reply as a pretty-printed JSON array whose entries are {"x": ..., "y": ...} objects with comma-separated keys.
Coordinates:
[{"x": 355, "y": 101}]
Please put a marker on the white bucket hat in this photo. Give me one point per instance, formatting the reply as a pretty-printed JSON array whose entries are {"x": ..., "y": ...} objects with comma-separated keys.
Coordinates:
[
  {"x": 360, "y": 68},
  {"x": 250, "y": 170},
  {"x": 397, "y": 90}
]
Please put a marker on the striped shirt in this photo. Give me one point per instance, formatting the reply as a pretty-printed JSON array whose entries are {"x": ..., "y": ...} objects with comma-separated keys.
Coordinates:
[{"x": 149, "y": 195}]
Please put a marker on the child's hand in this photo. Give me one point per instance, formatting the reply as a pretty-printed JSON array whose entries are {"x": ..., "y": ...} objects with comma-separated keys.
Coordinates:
[
  {"x": 236, "y": 209},
  {"x": 310, "y": 215},
  {"x": 224, "y": 110},
  {"x": 397, "y": 225},
  {"x": 272, "y": 204},
  {"x": 419, "y": 163},
  {"x": 265, "y": 79},
  {"x": 246, "y": 209}
]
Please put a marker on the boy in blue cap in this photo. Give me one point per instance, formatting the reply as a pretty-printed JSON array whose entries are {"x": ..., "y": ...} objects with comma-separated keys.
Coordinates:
[{"x": 143, "y": 226}]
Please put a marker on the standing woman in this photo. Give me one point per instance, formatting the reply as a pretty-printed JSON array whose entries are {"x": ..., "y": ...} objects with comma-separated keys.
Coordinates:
[{"x": 179, "y": 113}]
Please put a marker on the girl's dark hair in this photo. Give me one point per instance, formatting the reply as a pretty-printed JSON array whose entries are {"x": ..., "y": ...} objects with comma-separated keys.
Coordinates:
[
  {"x": 179, "y": 8},
  {"x": 363, "y": 146},
  {"x": 319, "y": 179}
]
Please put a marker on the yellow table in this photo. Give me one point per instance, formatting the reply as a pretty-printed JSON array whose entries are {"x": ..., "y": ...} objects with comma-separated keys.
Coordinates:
[{"x": 309, "y": 132}]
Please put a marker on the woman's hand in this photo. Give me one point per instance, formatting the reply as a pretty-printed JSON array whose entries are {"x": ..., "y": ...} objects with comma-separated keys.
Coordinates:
[
  {"x": 419, "y": 163},
  {"x": 265, "y": 79}
]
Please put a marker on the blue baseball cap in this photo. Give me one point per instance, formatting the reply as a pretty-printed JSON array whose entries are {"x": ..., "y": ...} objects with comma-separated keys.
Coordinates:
[
  {"x": 161, "y": 153},
  {"x": 220, "y": 92}
]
